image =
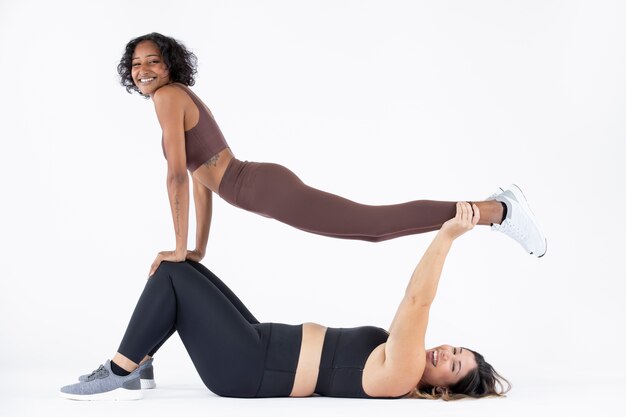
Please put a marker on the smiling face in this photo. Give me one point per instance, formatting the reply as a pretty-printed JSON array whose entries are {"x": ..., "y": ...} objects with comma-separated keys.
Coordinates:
[
  {"x": 148, "y": 69},
  {"x": 446, "y": 365}
]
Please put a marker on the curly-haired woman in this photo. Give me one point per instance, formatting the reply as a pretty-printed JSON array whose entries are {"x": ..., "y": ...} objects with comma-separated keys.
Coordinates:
[{"x": 161, "y": 68}]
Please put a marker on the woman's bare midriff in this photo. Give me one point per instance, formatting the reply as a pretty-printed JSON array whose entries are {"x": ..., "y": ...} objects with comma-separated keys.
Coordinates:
[
  {"x": 210, "y": 175},
  {"x": 309, "y": 361},
  {"x": 211, "y": 172}
]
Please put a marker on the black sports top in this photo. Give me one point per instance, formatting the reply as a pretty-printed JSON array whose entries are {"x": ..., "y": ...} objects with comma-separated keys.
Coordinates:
[
  {"x": 204, "y": 140},
  {"x": 344, "y": 354}
]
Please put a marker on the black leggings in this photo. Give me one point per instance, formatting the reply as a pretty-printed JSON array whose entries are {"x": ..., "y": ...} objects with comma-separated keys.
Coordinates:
[{"x": 234, "y": 354}]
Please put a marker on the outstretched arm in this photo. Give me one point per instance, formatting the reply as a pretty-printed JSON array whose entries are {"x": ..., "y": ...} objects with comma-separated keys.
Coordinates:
[
  {"x": 170, "y": 112},
  {"x": 397, "y": 365}
]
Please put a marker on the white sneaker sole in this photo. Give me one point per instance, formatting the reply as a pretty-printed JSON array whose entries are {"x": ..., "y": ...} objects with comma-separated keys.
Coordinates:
[
  {"x": 521, "y": 199},
  {"x": 119, "y": 394},
  {"x": 148, "y": 384}
]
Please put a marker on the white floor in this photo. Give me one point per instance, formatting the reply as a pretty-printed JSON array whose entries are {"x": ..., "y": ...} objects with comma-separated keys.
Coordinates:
[{"x": 35, "y": 394}]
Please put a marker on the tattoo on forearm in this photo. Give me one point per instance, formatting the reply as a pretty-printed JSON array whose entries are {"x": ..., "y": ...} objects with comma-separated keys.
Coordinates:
[
  {"x": 212, "y": 162},
  {"x": 177, "y": 214}
]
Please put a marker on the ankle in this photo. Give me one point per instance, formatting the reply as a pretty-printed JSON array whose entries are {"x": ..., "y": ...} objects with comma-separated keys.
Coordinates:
[
  {"x": 491, "y": 212},
  {"x": 124, "y": 363},
  {"x": 145, "y": 359},
  {"x": 118, "y": 370}
]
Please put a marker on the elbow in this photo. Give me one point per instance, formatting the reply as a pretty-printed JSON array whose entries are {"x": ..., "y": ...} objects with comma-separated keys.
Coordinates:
[
  {"x": 177, "y": 178},
  {"x": 419, "y": 300},
  {"x": 421, "y": 303}
]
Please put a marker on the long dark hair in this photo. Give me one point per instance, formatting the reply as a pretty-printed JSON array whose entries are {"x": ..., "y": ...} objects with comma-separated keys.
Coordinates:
[
  {"x": 482, "y": 381},
  {"x": 180, "y": 61}
]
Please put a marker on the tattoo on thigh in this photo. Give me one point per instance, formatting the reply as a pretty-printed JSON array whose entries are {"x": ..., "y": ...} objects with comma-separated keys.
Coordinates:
[{"x": 212, "y": 162}]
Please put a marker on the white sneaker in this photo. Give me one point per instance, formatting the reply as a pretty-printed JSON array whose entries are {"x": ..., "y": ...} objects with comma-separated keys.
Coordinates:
[{"x": 520, "y": 223}]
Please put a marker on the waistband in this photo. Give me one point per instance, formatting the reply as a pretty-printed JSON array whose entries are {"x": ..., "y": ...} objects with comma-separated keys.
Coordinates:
[
  {"x": 325, "y": 376},
  {"x": 281, "y": 359},
  {"x": 228, "y": 184}
]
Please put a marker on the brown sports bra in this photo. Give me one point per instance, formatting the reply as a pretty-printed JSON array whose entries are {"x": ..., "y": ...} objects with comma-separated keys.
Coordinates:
[{"x": 204, "y": 140}]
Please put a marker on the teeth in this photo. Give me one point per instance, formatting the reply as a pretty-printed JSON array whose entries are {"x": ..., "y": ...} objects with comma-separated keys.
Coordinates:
[
  {"x": 435, "y": 357},
  {"x": 146, "y": 80}
]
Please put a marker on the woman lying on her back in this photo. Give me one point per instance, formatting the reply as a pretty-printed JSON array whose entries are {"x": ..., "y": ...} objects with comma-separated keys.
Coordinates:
[{"x": 236, "y": 356}]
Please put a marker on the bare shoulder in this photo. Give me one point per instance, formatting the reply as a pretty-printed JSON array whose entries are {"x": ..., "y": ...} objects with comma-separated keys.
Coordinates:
[
  {"x": 169, "y": 95},
  {"x": 385, "y": 377}
]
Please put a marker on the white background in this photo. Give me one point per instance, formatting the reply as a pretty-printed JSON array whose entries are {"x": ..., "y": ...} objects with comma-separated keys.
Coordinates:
[{"x": 377, "y": 101}]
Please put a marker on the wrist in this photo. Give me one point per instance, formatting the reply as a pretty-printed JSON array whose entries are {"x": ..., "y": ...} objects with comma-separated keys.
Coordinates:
[{"x": 445, "y": 237}]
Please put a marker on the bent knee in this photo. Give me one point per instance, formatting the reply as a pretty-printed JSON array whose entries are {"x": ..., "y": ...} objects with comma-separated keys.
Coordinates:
[
  {"x": 169, "y": 269},
  {"x": 176, "y": 270}
]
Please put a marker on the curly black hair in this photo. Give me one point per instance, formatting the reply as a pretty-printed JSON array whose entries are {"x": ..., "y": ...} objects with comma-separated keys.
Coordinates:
[{"x": 180, "y": 62}]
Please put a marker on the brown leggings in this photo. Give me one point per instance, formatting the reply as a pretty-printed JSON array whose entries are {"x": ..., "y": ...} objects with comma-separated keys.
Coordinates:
[{"x": 273, "y": 191}]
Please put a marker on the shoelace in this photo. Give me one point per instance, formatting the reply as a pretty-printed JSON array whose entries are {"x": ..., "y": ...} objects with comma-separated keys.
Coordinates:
[{"x": 99, "y": 373}]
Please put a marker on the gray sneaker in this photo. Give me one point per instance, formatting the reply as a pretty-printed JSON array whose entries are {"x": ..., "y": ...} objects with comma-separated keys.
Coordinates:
[
  {"x": 146, "y": 374},
  {"x": 103, "y": 384},
  {"x": 520, "y": 223}
]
